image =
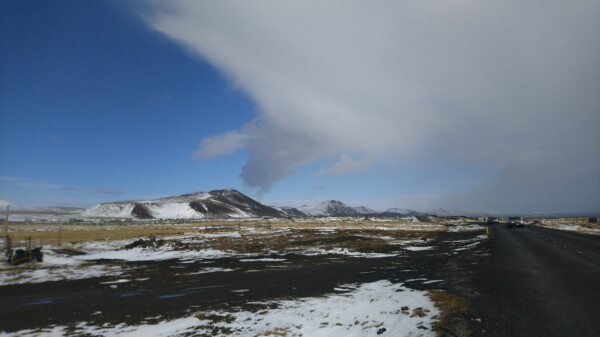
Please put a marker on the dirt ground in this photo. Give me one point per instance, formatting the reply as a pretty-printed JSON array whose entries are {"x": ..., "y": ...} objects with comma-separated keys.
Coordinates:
[{"x": 262, "y": 262}]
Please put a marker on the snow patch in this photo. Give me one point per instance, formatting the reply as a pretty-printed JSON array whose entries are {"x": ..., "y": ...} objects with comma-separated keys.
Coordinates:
[
  {"x": 343, "y": 251},
  {"x": 361, "y": 311},
  {"x": 416, "y": 249},
  {"x": 155, "y": 254},
  {"x": 262, "y": 260}
]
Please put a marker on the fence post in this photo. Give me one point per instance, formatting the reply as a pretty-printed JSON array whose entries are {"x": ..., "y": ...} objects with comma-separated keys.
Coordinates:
[
  {"x": 6, "y": 221},
  {"x": 6, "y": 228},
  {"x": 60, "y": 231}
]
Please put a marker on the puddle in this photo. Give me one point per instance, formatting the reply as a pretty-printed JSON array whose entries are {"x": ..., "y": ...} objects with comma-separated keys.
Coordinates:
[
  {"x": 171, "y": 296},
  {"x": 42, "y": 301},
  {"x": 206, "y": 287}
]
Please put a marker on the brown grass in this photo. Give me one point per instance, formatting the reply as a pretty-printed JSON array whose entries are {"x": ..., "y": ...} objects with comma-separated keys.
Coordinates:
[
  {"x": 46, "y": 234},
  {"x": 449, "y": 305}
]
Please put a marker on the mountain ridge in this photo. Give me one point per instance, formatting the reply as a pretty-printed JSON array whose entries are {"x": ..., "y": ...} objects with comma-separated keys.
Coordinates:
[
  {"x": 329, "y": 208},
  {"x": 227, "y": 203},
  {"x": 224, "y": 203}
]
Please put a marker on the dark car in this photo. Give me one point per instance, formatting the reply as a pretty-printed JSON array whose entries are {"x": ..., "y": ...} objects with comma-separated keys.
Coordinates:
[{"x": 514, "y": 222}]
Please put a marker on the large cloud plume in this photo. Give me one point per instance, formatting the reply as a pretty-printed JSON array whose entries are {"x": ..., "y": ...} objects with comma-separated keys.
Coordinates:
[{"x": 458, "y": 81}]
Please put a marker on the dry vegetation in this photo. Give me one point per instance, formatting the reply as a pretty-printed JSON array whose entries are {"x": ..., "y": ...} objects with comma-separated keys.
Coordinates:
[
  {"x": 450, "y": 307},
  {"x": 582, "y": 225},
  {"x": 49, "y": 234}
]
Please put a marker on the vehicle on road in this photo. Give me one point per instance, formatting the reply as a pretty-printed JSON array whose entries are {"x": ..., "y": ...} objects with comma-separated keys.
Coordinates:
[{"x": 514, "y": 222}]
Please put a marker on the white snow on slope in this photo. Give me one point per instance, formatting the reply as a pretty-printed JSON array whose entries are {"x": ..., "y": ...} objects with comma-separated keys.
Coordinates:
[
  {"x": 364, "y": 210},
  {"x": 173, "y": 210},
  {"x": 314, "y": 210},
  {"x": 398, "y": 210},
  {"x": 177, "y": 207},
  {"x": 115, "y": 210},
  {"x": 328, "y": 207}
]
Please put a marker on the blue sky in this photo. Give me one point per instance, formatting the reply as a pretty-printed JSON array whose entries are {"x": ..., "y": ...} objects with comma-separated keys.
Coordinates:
[
  {"x": 93, "y": 100},
  {"x": 295, "y": 103}
]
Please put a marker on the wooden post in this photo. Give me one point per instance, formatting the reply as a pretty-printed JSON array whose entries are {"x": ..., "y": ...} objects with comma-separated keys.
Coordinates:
[
  {"x": 60, "y": 231},
  {"x": 6, "y": 238},
  {"x": 6, "y": 221}
]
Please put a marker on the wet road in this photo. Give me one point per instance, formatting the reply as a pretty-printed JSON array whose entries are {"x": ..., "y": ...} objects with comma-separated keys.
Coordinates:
[{"x": 540, "y": 282}]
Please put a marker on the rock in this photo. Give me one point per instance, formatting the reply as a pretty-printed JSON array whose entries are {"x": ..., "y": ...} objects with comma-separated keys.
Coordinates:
[
  {"x": 380, "y": 331},
  {"x": 150, "y": 243}
]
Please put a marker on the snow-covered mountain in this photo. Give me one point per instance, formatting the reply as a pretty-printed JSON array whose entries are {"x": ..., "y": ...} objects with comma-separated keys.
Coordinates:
[
  {"x": 337, "y": 208},
  {"x": 329, "y": 207},
  {"x": 364, "y": 210},
  {"x": 398, "y": 210},
  {"x": 289, "y": 211},
  {"x": 217, "y": 203}
]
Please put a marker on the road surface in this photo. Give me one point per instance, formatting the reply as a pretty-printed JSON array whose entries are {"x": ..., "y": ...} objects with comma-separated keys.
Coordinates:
[{"x": 540, "y": 282}]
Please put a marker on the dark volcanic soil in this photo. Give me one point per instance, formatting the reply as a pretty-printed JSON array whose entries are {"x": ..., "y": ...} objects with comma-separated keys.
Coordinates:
[{"x": 172, "y": 288}]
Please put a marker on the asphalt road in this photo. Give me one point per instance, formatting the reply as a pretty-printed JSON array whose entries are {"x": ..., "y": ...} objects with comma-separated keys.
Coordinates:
[{"x": 540, "y": 282}]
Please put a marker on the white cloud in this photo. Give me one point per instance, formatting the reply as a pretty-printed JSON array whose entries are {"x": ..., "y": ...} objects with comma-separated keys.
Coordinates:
[
  {"x": 4, "y": 203},
  {"x": 345, "y": 165},
  {"x": 460, "y": 81},
  {"x": 219, "y": 145}
]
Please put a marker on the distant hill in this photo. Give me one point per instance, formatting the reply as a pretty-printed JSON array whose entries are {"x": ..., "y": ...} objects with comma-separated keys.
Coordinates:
[
  {"x": 289, "y": 211},
  {"x": 364, "y": 210},
  {"x": 214, "y": 204},
  {"x": 330, "y": 208},
  {"x": 227, "y": 203},
  {"x": 338, "y": 208}
]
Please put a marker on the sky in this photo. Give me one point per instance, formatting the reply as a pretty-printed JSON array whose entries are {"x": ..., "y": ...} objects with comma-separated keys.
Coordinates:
[{"x": 462, "y": 105}]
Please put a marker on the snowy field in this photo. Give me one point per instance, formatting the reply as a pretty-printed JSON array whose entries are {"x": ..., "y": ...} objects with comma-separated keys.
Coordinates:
[
  {"x": 76, "y": 260},
  {"x": 125, "y": 265},
  {"x": 354, "y": 310},
  {"x": 580, "y": 225}
]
